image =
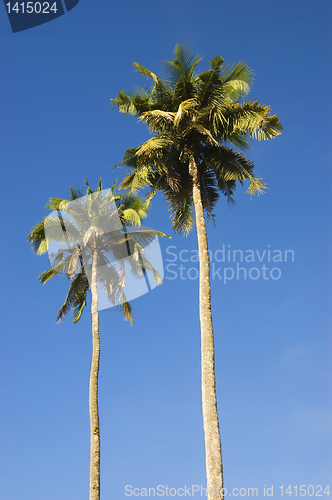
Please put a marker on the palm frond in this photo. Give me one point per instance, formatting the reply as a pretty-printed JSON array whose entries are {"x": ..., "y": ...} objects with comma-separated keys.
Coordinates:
[
  {"x": 145, "y": 72},
  {"x": 76, "y": 298},
  {"x": 206, "y": 133},
  {"x": 239, "y": 72},
  {"x": 139, "y": 205},
  {"x": 235, "y": 90},
  {"x": 131, "y": 216},
  {"x": 183, "y": 63},
  {"x": 183, "y": 109},
  {"x": 250, "y": 118},
  {"x": 161, "y": 141},
  {"x": 127, "y": 312},
  {"x": 61, "y": 231},
  {"x": 37, "y": 238},
  {"x": 157, "y": 120},
  {"x": 75, "y": 262},
  {"x": 75, "y": 193},
  {"x": 230, "y": 167},
  {"x": 126, "y": 104},
  {"x": 209, "y": 188},
  {"x": 136, "y": 179},
  {"x": 256, "y": 186},
  {"x": 56, "y": 204},
  {"x": 182, "y": 210},
  {"x": 46, "y": 275},
  {"x": 209, "y": 82},
  {"x": 269, "y": 128}
]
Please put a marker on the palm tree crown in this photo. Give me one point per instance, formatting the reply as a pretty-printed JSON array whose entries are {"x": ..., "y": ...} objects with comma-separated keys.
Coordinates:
[
  {"x": 198, "y": 113},
  {"x": 104, "y": 220}
]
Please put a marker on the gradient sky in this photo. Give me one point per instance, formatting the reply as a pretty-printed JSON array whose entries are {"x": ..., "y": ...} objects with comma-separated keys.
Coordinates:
[{"x": 272, "y": 336}]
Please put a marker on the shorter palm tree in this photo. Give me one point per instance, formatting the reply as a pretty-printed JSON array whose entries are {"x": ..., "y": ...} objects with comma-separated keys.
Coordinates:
[{"x": 94, "y": 235}]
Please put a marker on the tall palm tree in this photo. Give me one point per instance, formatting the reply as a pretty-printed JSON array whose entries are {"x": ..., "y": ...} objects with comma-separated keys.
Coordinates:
[
  {"x": 197, "y": 120},
  {"x": 92, "y": 236}
]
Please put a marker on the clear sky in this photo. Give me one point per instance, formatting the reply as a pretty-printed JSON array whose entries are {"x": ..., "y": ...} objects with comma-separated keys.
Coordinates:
[{"x": 272, "y": 336}]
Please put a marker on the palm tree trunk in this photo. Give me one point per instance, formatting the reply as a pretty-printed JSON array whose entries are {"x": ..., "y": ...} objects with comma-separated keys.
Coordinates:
[
  {"x": 214, "y": 471},
  {"x": 93, "y": 392}
]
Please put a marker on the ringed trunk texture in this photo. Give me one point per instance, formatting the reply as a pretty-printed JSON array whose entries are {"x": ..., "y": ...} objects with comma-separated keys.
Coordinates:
[
  {"x": 93, "y": 392},
  {"x": 214, "y": 471}
]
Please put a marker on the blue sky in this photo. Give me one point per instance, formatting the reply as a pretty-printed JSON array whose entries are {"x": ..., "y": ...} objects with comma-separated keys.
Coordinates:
[{"x": 272, "y": 336}]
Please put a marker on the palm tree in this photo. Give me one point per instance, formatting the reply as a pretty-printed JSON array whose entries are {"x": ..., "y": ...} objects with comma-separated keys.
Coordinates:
[
  {"x": 197, "y": 120},
  {"x": 93, "y": 234}
]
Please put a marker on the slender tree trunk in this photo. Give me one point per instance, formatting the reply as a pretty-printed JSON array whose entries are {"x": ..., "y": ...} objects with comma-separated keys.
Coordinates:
[
  {"x": 93, "y": 392},
  {"x": 214, "y": 471}
]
